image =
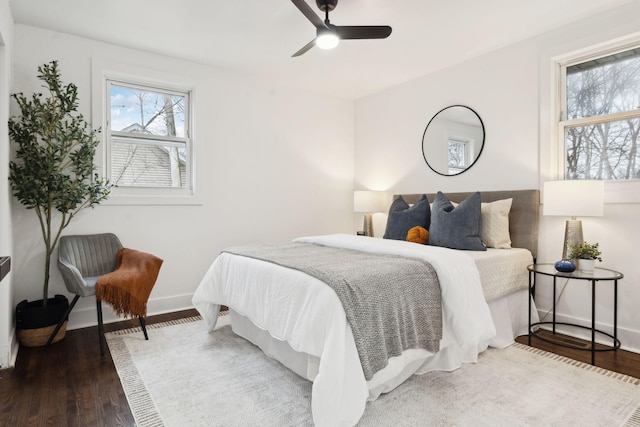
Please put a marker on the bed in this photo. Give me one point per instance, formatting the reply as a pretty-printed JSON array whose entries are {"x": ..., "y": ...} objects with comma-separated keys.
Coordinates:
[{"x": 298, "y": 320}]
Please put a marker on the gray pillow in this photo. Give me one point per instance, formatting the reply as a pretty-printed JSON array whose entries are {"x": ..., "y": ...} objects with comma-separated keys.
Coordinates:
[
  {"x": 402, "y": 217},
  {"x": 456, "y": 227}
]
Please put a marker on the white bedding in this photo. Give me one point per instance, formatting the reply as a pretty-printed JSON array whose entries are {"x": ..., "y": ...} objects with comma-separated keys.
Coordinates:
[{"x": 307, "y": 314}]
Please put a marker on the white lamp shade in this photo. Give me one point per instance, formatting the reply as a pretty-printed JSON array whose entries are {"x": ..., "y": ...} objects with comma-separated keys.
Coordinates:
[
  {"x": 573, "y": 198},
  {"x": 368, "y": 201}
]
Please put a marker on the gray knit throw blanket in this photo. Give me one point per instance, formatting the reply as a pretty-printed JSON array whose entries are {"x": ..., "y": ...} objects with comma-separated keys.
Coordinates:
[{"x": 392, "y": 303}]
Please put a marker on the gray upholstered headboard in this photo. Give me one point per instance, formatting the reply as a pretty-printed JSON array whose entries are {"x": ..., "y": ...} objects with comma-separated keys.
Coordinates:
[{"x": 523, "y": 218}]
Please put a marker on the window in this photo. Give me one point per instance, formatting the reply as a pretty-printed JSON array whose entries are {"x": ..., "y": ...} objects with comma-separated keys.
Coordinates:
[
  {"x": 599, "y": 125},
  {"x": 458, "y": 155},
  {"x": 148, "y": 138}
]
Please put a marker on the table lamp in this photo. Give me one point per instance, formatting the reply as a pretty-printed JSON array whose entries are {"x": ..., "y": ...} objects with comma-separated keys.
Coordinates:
[
  {"x": 573, "y": 198},
  {"x": 368, "y": 202}
]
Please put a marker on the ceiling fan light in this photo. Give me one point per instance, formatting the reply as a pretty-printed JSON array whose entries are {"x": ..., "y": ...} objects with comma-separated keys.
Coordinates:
[{"x": 327, "y": 40}]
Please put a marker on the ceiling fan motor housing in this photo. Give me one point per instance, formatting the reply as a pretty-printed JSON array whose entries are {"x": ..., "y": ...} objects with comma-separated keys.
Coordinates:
[{"x": 323, "y": 5}]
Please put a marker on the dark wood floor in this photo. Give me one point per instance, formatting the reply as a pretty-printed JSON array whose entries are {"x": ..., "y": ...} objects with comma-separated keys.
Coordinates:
[
  {"x": 70, "y": 384},
  {"x": 624, "y": 362}
]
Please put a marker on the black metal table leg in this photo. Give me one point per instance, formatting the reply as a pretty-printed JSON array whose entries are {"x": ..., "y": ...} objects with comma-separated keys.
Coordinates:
[
  {"x": 615, "y": 315},
  {"x": 530, "y": 297},
  {"x": 554, "y": 305},
  {"x": 593, "y": 322}
]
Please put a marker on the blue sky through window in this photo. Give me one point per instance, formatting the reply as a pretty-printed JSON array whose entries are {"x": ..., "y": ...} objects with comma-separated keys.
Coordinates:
[{"x": 152, "y": 111}]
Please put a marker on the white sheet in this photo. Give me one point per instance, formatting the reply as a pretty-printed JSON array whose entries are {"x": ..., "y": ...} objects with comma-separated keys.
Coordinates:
[{"x": 307, "y": 314}]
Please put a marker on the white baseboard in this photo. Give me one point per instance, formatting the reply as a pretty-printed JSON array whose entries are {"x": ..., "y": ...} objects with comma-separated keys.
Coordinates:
[
  {"x": 85, "y": 317},
  {"x": 82, "y": 317},
  {"x": 629, "y": 339},
  {"x": 5, "y": 357},
  {"x": 9, "y": 353}
]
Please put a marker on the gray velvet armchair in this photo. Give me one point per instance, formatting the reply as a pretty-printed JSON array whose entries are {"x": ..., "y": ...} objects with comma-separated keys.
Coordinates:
[{"x": 82, "y": 259}]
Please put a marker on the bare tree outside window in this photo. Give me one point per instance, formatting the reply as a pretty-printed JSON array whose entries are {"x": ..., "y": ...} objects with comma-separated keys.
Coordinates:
[
  {"x": 457, "y": 156},
  {"x": 602, "y": 125},
  {"x": 148, "y": 136}
]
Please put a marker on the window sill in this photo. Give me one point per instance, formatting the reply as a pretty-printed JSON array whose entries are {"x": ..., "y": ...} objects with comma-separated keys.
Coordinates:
[
  {"x": 151, "y": 200},
  {"x": 622, "y": 191}
]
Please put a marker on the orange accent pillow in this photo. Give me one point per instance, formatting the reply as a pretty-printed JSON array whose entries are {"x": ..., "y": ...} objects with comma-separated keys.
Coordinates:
[{"x": 418, "y": 234}]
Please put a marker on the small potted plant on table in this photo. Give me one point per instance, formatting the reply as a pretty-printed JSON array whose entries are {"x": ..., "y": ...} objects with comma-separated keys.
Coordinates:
[{"x": 586, "y": 254}]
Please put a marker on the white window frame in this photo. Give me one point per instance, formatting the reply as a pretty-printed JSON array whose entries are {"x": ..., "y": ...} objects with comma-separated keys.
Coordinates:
[
  {"x": 143, "y": 139},
  {"x": 102, "y": 73},
  {"x": 616, "y": 191}
]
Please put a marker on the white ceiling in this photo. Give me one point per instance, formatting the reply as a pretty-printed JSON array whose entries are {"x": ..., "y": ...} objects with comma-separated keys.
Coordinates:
[{"x": 259, "y": 36}]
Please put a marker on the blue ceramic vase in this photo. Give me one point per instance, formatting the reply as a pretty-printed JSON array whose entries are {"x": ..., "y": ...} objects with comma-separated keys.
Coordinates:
[{"x": 565, "y": 266}]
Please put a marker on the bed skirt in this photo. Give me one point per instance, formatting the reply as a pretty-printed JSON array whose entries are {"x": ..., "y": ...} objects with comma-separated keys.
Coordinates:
[{"x": 509, "y": 315}]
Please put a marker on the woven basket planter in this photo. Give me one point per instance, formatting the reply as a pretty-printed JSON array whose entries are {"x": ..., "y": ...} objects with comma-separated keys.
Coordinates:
[{"x": 35, "y": 323}]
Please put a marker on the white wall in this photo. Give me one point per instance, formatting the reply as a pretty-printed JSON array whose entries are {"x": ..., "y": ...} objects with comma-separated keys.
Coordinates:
[
  {"x": 269, "y": 169},
  {"x": 509, "y": 89},
  {"x": 8, "y": 345}
]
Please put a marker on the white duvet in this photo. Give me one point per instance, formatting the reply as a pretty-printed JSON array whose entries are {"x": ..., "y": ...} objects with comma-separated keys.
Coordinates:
[{"x": 307, "y": 314}]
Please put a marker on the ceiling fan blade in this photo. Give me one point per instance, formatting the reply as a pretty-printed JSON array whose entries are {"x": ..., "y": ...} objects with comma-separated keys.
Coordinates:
[
  {"x": 350, "y": 32},
  {"x": 309, "y": 13},
  {"x": 305, "y": 48}
]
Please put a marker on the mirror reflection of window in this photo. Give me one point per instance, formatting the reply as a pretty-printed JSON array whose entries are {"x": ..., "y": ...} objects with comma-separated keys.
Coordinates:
[{"x": 458, "y": 153}]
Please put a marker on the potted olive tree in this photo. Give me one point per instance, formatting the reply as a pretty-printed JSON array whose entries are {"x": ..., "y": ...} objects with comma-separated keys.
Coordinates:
[{"x": 54, "y": 175}]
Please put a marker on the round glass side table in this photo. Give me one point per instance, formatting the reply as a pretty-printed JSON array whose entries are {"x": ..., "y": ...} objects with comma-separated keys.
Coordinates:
[{"x": 598, "y": 274}]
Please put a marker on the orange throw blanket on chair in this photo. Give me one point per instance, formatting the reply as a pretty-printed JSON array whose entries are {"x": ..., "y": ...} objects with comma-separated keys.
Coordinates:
[{"x": 127, "y": 288}]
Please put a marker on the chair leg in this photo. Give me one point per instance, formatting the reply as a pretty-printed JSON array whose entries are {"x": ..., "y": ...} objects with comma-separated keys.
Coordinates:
[
  {"x": 143, "y": 325},
  {"x": 100, "y": 326},
  {"x": 61, "y": 321}
]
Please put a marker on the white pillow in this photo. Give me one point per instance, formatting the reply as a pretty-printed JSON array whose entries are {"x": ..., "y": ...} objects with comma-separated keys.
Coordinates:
[{"x": 495, "y": 224}]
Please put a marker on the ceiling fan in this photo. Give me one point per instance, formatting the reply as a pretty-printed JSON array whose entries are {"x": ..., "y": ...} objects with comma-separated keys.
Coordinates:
[{"x": 328, "y": 35}]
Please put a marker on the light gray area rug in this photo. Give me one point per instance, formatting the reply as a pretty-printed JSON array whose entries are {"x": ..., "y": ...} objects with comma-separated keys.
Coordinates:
[{"x": 187, "y": 376}]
